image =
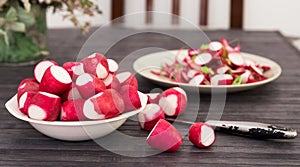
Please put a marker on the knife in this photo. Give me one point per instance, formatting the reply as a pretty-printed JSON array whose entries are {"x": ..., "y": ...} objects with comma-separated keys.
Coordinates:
[{"x": 248, "y": 129}]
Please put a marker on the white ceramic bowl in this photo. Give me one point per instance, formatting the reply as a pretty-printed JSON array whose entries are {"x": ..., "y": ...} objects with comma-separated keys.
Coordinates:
[{"x": 75, "y": 130}]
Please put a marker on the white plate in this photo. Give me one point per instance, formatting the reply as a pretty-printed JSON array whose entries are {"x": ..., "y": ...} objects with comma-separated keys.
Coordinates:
[
  {"x": 75, "y": 130},
  {"x": 153, "y": 61}
]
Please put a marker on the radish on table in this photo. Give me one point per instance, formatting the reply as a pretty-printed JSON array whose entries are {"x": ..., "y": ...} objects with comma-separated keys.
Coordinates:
[
  {"x": 202, "y": 135},
  {"x": 150, "y": 116}
]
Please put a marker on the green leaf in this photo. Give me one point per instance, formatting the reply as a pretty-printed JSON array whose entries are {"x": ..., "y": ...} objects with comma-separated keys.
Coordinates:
[
  {"x": 11, "y": 15},
  {"x": 204, "y": 46},
  {"x": 237, "y": 81},
  {"x": 4, "y": 34},
  {"x": 207, "y": 70},
  {"x": 26, "y": 17},
  {"x": 17, "y": 26}
]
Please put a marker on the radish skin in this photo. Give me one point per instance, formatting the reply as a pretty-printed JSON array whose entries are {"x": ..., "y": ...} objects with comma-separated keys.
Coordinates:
[
  {"x": 27, "y": 84},
  {"x": 150, "y": 116},
  {"x": 74, "y": 69},
  {"x": 153, "y": 98},
  {"x": 131, "y": 97},
  {"x": 89, "y": 85},
  {"x": 201, "y": 135},
  {"x": 25, "y": 100},
  {"x": 127, "y": 78},
  {"x": 96, "y": 64},
  {"x": 41, "y": 67},
  {"x": 72, "y": 110}
]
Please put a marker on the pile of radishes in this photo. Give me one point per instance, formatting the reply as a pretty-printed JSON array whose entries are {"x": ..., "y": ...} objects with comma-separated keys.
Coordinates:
[
  {"x": 90, "y": 89},
  {"x": 214, "y": 64}
]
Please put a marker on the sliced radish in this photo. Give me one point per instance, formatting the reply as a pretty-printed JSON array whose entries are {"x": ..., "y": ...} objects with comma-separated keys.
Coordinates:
[
  {"x": 41, "y": 67},
  {"x": 203, "y": 58},
  {"x": 89, "y": 85},
  {"x": 238, "y": 71},
  {"x": 25, "y": 100},
  {"x": 153, "y": 98},
  {"x": 236, "y": 59},
  {"x": 245, "y": 76},
  {"x": 201, "y": 135},
  {"x": 173, "y": 101},
  {"x": 111, "y": 82},
  {"x": 127, "y": 78},
  {"x": 72, "y": 110},
  {"x": 44, "y": 106},
  {"x": 215, "y": 46},
  {"x": 56, "y": 80},
  {"x": 257, "y": 70},
  {"x": 221, "y": 79},
  {"x": 131, "y": 97},
  {"x": 150, "y": 116},
  {"x": 74, "y": 69},
  {"x": 249, "y": 62},
  {"x": 113, "y": 66},
  {"x": 164, "y": 137},
  {"x": 71, "y": 93},
  {"x": 222, "y": 69},
  {"x": 192, "y": 73},
  {"x": 197, "y": 80},
  {"x": 27, "y": 84},
  {"x": 96, "y": 64},
  {"x": 193, "y": 52}
]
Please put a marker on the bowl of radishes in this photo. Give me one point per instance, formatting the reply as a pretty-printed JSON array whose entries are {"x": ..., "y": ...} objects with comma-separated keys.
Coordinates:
[{"x": 78, "y": 100}]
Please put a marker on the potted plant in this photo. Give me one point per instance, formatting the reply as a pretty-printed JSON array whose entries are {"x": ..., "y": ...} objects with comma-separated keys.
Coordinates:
[{"x": 23, "y": 26}]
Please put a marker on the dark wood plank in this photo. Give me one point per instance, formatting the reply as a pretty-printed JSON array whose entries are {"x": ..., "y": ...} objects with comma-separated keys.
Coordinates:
[
  {"x": 203, "y": 12},
  {"x": 117, "y": 8},
  {"x": 236, "y": 14}
]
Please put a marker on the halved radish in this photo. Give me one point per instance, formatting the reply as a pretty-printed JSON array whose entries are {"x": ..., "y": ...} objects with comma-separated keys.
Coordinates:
[
  {"x": 203, "y": 58},
  {"x": 90, "y": 106},
  {"x": 96, "y": 64},
  {"x": 127, "y": 78},
  {"x": 27, "y": 84},
  {"x": 173, "y": 101},
  {"x": 74, "y": 69},
  {"x": 71, "y": 93},
  {"x": 72, "y": 110},
  {"x": 25, "y": 100},
  {"x": 164, "y": 137},
  {"x": 131, "y": 97},
  {"x": 236, "y": 59},
  {"x": 222, "y": 69},
  {"x": 257, "y": 70},
  {"x": 56, "y": 80},
  {"x": 111, "y": 82},
  {"x": 245, "y": 76},
  {"x": 44, "y": 106},
  {"x": 197, "y": 80},
  {"x": 89, "y": 85},
  {"x": 215, "y": 46},
  {"x": 221, "y": 79},
  {"x": 150, "y": 116},
  {"x": 201, "y": 135},
  {"x": 153, "y": 98},
  {"x": 113, "y": 66},
  {"x": 41, "y": 67}
]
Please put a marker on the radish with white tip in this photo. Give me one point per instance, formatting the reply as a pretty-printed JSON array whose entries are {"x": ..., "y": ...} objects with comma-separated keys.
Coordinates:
[
  {"x": 96, "y": 64},
  {"x": 197, "y": 80},
  {"x": 44, "y": 106},
  {"x": 131, "y": 97},
  {"x": 221, "y": 79},
  {"x": 74, "y": 69},
  {"x": 56, "y": 80},
  {"x": 236, "y": 59},
  {"x": 89, "y": 85},
  {"x": 72, "y": 110},
  {"x": 27, "y": 84},
  {"x": 127, "y": 78},
  {"x": 202, "y": 135},
  {"x": 112, "y": 82},
  {"x": 113, "y": 66},
  {"x": 165, "y": 137},
  {"x": 71, "y": 93},
  {"x": 173, "y": 101},
  {"x": 41, "y": 67},
  {"x": 150, "y": 116},
  {"x": 25, "y": 100},
  {"x": 153, "y": 98}
]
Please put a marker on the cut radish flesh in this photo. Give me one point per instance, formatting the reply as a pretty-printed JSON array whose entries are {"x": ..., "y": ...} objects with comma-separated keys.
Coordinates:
[
  {"x": 89, "y": 85},
  {"x": 56, "y": 80},
  {"x": 257, "y": 70},
  {"x": 238, "y": 71},
  {"x": 25, "y": 100},
  {"x": 74, "y": 69},
  {"x": 201, "y": 135},
  {"x": 222, "y": 69},
  {"x": 193, "y": 52},
  {"x": 197, "y": 80},
  {"x": 131, "y": 97},
  {"x": 71, "y": 93},
  {"x": 126, "y": 78},
  {"x": 44, "y": 106},
  {"x": 221, "y": 79},
  {"x": 72, "y": 110},
  {"x": 150, "y": 116},
  {"x": 112, "y": 66},
  {"x": 153, "y": 98},
  {"x": 96, "y": 64},
  {"x": 203, "y": 58},
  {"x": 245, "y": 76},
  {"x": 236, "y": 59},
  {"x": 215, "y": 46},
  {"x": 28, "y": 84},
  {"x": 111, "y": 82},
  {"x": 192, "y": 73},
  {"x": 249, "y": 62},
  {"x": 90, "y": 107},
  {"x": 173, "y": 101},
  {"x": 41, "y": 67},
  {"x": 164, "y": 137}
]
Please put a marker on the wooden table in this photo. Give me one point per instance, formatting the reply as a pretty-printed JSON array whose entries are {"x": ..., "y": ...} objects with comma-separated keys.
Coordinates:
[{"x": 276, "y": 103}]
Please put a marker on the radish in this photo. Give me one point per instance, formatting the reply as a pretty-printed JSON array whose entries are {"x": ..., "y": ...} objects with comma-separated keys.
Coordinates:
[
  {"x": 222, "y": 69},
  {"x": 238, "y": 71},
  {"x": 72, "y": 110},
  {"x": 215, "y": 46},
  {"x": 150, "y": 116},
  {"x": 164, "y": 137},
  {"x": 89, "y": 85},
  {"x": 173, "y": 101},
  {"x": 245, "y": 76},
  {"x": 25, "y": 100},
  {"x": 104, "y": 105},
  {"x": 221, "y": 79},
  {"x": 44, "y": 106},
  {"x": 131, "y": 97},
  {"x": 236, "y": 59},
  {"x": 153, "y": 98},
  {"x": 127, "y": 78},
  {"x": 192, "y": 73},
  {"x": 71, "y": 93},
  {"x": 202, "y": 135},
  {"x": 27, "y": 84},
  {"x": 249, "y": 62},
  {"x": 112, "y": 82},
  {"x": 197, "y": 80},
  {"x": 112, "y": 66},
  {"x": 203, "y": 58},
  {"x": 41, "y": 67},
  {"x": 96, "y": 64},
  {"x": 74, "y": 69},
  {"x": 193, "y": 52},
  {"x": 257, "y": 70}
]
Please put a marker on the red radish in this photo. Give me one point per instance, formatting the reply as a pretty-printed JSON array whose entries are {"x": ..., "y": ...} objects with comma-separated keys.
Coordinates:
[
  {"x": 245, "y": 76},
  {"x": 41, "y": 67},
  {"x": 221, "y": 79},
  {"x": 104, "y": 105},
  {"x": 56, "y": 80},
  {"x": 164, "y": 137},
  {"x": 197, "y": 80},
  {"x": 44, "y": 106},
  {"x": 112, "y": 82},
  {"x": 25, "y": 100},
  {"x": 96, "y": 64},
  {"x": 249, "y": 62},
  {"x": 228, "y": 48},
  {"x": 131, "y": 97},
  {"x": 89, "y": 85},
  {"x": 181, "y": 58},
  {"x": 203, "y": 58},
  {"x": 193, "y": 52},
  {"x": 74, "y": 69},
  {"x": 112, "y": 66},
  {"x": 71, "y": 93},
  {"x": 257, "y": 70},
  {"x": 173, "y": 101},
  {"x": 266, "y": 68},
  {"x": 236, "y": 59},
  {"x": 238, "y": 71},
  {"x": 72, "y": 110},
  {"x": 27, "y": 84},
  {"x": 192, "y": 73},
  {"x": 222, "y": 69},
  {"x": 202, "y": 135},
  {"x": 150, "y": 116},
  {"x": 127, "y": 78},
  {"x": 153, "y": 98},
  {"x": 215, "y": 46}
]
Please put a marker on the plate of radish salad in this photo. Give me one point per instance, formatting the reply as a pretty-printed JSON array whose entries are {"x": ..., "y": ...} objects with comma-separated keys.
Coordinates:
[{"x": 213, "y": 65}]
